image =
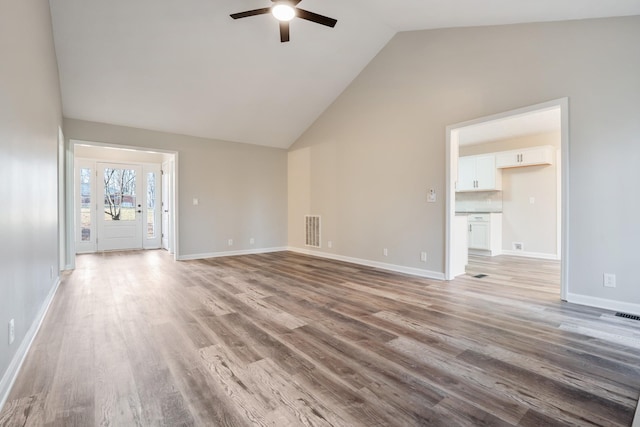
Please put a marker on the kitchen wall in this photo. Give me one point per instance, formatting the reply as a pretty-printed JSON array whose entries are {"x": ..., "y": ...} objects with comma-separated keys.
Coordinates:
[
  {"x": 382, "y": 142},
  {"x": 30, "y": 116},
  {"x": 534, "y": 225},
  {"x": 241, "y": 188}
]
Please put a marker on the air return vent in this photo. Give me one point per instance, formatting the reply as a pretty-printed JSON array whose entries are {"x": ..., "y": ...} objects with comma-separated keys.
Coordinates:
[{"x": 312, "y": 230}]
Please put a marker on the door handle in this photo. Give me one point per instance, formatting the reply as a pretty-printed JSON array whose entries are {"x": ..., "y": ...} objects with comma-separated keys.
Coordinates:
[
  {"x": 139, "y": 211},
  {"x": 166, "y": 211}
]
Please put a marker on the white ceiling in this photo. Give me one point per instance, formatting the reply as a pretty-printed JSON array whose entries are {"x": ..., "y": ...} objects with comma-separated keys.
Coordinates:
[
  {"x": 184, "y": 66},
  {"x": 532, "y": 123}
]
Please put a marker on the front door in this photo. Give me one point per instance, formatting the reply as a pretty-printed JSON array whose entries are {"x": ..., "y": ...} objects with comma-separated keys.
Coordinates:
[{"x": 120, "y": 202}]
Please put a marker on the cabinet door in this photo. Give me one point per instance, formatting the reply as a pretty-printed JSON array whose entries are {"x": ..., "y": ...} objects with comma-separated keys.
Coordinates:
[
  {"x": 466, "y": 173},
  {"x": 539, "y": 156},
  {"x": 486, "y": 173},
  {"x": 479, "y": 235},
  {"x": 508, "y": 159}
]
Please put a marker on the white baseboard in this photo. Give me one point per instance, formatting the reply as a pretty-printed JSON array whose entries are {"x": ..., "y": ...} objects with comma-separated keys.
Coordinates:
[
  {"x": 12, "y": 371},
  {"x": 607, "y": 304},
  {"x": 381, "y": 265},
  {"x": 539, "y": 255},
  {"x": 229, "y": 253}
]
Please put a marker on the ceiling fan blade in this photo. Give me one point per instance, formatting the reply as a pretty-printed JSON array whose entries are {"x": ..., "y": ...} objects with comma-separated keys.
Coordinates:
[
  {"x": 251, "y": 13},
  {"x": 314, "y": 17},
  {"x": 284, "y": 31}
]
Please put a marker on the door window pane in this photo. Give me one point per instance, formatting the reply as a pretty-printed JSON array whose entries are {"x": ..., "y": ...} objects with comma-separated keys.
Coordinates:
[
  {"x": 151, "y": 205},
  {"x": 85, "y": 204},
  {"x": 119, "y": 194}
]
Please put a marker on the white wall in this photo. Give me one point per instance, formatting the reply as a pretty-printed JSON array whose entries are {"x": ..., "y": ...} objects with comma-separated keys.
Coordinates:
[
  {"x": 387, "y": 133},
  {"x": 241, "y": 188},
  {"x": 30, "y": 114}
]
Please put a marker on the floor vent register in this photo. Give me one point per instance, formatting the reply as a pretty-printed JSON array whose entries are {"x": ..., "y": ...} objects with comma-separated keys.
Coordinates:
[{"x": 628, "y": 316}]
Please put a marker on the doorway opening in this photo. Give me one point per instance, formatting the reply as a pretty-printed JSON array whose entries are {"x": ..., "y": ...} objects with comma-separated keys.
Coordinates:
[
  {"x": 508, "y": 173},
  {"x": 123, "y": 198}
]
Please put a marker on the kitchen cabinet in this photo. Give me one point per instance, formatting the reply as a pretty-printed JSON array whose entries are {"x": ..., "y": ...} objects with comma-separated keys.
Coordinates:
[
  {"x": 485, "y": 234},
  {"x": 478, "y": 173},
  {"x": 542, "y": 155}
]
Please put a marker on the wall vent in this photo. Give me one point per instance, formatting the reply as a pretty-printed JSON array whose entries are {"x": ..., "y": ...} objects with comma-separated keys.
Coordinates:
[{"x": 312, "y": 230}]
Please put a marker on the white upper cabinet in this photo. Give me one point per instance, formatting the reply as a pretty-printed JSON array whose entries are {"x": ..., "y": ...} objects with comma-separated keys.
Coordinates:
[
  {"x": 526, "y": 157},
  {"x": 478, "y": 173}
]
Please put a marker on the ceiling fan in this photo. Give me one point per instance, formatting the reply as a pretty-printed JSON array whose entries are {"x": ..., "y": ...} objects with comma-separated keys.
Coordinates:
[{"x": 284, "y": 11}]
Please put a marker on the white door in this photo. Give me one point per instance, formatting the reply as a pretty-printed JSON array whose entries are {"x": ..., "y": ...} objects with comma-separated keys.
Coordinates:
[
  {"x": 166, "y": 174},
  {"x": 120, "y": 202}
]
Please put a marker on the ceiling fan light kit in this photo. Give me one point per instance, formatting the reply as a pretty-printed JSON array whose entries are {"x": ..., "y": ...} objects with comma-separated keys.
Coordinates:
[{"x": 284, "y": 11}]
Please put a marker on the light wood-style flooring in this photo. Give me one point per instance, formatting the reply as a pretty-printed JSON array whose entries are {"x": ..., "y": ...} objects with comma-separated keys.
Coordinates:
[{"x": 281, "y": 339}]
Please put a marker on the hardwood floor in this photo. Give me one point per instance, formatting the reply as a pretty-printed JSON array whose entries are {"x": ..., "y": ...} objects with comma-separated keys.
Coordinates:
[{"x": 288, "y": 340}]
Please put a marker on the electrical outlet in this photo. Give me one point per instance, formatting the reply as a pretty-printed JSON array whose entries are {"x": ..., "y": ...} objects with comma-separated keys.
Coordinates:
[
  {"x": 517, "y": 246},
  {"x": 385, "y": 252},
  {"x": 329, "y": 244},
  {"x": 12, "y": 331},
  {"x": 51, "y": 272},
  {"x": 252, "y": 241},
  {"x": 195, "y": 201},
  {"x": 423, "y": 256},
  {"x": 609, "y": 280},
  {"x": 230, "y": 242}
]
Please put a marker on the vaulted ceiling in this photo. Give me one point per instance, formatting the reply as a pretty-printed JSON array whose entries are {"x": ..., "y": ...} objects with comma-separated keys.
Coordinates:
[{"x": 184, "y": 66}]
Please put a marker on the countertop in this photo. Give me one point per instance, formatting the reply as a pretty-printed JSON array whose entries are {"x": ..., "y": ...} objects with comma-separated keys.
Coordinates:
[{"x": 475, "y": 212}]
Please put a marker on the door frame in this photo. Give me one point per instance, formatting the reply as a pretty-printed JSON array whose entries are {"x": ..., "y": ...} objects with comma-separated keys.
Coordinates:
[
  {"x": 167, "y": 170},
  {"x": 451, "y": 167},
  {"x": 171, "y": 156}
]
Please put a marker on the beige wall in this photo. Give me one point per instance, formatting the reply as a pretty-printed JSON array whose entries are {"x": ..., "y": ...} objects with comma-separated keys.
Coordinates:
[
  {"x": 115, "y": 155},
  {"x": 387, "y": 133},
  {"x": 533, "y": 225},
  {"x": 30, "y": 114},
  {"x": 241, "y": 188}
]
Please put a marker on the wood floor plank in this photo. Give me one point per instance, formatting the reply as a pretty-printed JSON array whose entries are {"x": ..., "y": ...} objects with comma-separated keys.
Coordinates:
[{"x": 282, "y": 339}]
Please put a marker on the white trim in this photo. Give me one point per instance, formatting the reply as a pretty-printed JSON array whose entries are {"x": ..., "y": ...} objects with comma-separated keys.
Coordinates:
[
  {"x": 230, "y": 253},
  {"x": 607, "y": 304},
  {"x": 451, "y": 153},
  {"x": 381, "y": 265},
  {"x": 524, "y": 254},
  {"x": 70, "y": 207},
  {"x": 10, "y": 375}
]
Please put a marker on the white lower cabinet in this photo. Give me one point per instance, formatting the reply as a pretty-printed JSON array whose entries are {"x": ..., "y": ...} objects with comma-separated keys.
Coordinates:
[{"x": 485, "y": 234}]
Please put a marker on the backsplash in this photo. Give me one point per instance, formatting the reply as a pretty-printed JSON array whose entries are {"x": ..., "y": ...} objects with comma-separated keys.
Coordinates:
[{"x": 480, "y": 201}]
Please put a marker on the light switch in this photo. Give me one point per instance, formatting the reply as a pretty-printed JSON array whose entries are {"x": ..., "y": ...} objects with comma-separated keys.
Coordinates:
[
  {"x": 532, "y": 200},
  {"x": 195, "y": 201}
]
